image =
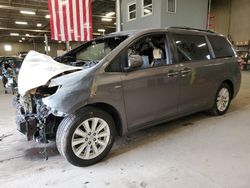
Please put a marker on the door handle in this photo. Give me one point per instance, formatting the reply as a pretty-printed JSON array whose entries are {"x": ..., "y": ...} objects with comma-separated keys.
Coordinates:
[{"x": 172, "y": 74}]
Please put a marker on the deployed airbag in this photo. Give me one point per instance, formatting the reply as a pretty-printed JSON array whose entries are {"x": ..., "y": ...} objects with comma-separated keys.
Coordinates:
[{"x": 37, "y": 70}]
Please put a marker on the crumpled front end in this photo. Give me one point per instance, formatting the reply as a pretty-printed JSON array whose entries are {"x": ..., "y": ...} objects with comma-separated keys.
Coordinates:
[
  {"x": 34, "y": 119},
  {"x": 44, "y": 102}
]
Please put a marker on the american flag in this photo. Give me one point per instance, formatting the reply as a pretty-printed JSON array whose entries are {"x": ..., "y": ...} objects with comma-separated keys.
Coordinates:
[{"x": 70, "y": 20}]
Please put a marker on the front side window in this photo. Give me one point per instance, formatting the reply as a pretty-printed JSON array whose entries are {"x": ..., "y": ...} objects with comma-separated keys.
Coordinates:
[
  {"x": 132, "y": 11},
  {"x": 221, "y": 46},
  {"x": 171, "y": 6},
  {"x": 96, "y": 51},
  {"x": 152, "y": 50},
  {"x": 147, "y": 7},
  {"x": 191, "y": 47}
]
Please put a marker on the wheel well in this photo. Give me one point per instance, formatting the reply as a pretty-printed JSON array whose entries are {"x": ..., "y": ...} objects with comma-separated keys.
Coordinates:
[
  {"x": 113, "y": 112},
  {"x": 230, "y": 84}
]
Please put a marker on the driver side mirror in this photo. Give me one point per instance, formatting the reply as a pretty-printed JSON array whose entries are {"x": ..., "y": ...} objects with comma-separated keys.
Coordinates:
[{"x": 134, "y": 61}]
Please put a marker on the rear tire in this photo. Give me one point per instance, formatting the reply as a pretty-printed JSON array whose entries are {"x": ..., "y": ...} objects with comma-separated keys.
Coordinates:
[
  {"x": 222, "y": 100},
  {"x": 86, "y": 137}
]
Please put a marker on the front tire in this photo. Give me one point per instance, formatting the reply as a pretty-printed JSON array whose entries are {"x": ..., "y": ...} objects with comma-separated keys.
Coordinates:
[
  {"x": 86, "y": 137},
  {"x": 222, "y": 100}
]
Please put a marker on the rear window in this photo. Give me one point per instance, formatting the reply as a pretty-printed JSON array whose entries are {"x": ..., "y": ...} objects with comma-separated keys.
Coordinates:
[
  {"x": 221, "y": 47},
  {"x": 191, "y": 47}
]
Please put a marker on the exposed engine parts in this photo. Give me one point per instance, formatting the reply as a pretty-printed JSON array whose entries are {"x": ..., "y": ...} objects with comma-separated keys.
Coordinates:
[{"x": 34, "y": 119}]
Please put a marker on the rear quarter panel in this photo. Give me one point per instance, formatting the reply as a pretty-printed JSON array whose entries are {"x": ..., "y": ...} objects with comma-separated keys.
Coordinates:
[{"x": 226, "y": 69}]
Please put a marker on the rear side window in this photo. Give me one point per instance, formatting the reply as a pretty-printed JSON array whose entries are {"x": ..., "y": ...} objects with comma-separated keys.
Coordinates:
[
  {"x": 191, "y": 47},
  {"x": 221, "y": 46}
]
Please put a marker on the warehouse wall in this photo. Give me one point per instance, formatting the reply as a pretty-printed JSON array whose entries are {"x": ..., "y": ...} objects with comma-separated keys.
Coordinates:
[
  {"x": 190, "y": 13},
  {"x": 151, "y": 21},
  {"x": 234, "y": 23},
  {"x": 27, "y": 46},
  {"x": 16, "y": 47},
  {"x": 240, "y": 25},
  {"x": 221, "y": 9}
]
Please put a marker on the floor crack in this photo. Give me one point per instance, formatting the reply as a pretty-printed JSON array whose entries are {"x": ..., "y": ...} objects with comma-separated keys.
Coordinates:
[
  {"x": 16, "y": 157},
  {"x": 4, "y": 136}
]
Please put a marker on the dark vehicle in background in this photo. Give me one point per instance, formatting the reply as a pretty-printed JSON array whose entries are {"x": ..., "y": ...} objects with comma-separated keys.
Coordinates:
[
  {"x": 22, "y": 54},
  {"x": 128, "y": 81},
  {"x": 9, "y": 69}
]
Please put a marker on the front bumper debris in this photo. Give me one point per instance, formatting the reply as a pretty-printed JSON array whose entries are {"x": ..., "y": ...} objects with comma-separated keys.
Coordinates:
[
  {"x": 26, "y": 125},
  {"x": 37, "y": 123}
]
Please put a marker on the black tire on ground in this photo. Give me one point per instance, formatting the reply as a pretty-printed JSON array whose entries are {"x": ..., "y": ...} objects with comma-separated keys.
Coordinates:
[
  {"x": 215, "y": 111},
  {"x": 67, "y": 128}
]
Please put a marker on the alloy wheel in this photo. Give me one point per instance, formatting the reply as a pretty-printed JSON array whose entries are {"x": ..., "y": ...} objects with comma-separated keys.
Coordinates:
[
  {"x": 223, "y": 99},
  {"x": 90, "y": 138}
]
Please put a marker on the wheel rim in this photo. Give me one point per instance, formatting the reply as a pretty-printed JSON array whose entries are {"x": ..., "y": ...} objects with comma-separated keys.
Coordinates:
[
  {"x": 90, "y": 138},
  {"x": 223, "y": 99}
]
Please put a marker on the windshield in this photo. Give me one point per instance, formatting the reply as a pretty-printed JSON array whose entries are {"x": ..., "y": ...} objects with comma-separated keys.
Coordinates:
[
  {"x": 98, "y": 49},
  {"x": 92, "y": 52}
]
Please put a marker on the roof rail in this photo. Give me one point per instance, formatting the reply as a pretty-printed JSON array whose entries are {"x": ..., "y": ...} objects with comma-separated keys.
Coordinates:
[{"x": 190, "y": 28}]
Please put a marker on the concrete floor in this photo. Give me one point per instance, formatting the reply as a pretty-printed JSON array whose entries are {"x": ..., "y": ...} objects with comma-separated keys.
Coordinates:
[{"x": 196, "y": 151}]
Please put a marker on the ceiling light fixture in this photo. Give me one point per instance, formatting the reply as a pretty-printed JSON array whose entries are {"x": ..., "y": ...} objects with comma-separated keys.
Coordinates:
[
  {"x": 27, "y": 12},
  {"x": 27, "y": 35},
  {"x": 107, "y": 19},
  {"x": 47, "y": 16},
  {"x": 14, "y": 34},
  {"x": 20, "y": 41},
  {"x": 109, "y": 14},
  {"x": 97, "y": 34},
  {"x": 101, "y": 30},
  {"x": 21, "y": 23},
  {"x": 39, "y": 25},
  {"x": 23, "y": 38},
  {"x": 202, "y": 45}
]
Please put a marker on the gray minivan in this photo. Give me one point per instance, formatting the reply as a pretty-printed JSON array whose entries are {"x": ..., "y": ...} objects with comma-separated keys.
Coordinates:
[{"x": 123, "y": 82}]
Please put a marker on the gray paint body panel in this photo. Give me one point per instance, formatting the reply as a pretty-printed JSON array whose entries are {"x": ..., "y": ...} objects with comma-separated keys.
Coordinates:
[{"x": 145, "y": 97}]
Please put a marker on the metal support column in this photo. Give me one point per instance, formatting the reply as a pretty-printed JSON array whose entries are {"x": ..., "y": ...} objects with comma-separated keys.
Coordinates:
[
  {"x": 209, "y": 13},
  {"x": 46, "y": 44},
  {"x": 68, "y": 47},
  {"x": 34, "y": 44},
  {"x": 118, "y": 15}
]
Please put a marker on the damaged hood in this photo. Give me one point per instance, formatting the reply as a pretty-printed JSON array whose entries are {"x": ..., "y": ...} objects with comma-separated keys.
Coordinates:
[{"x": 37, "y": 70}]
